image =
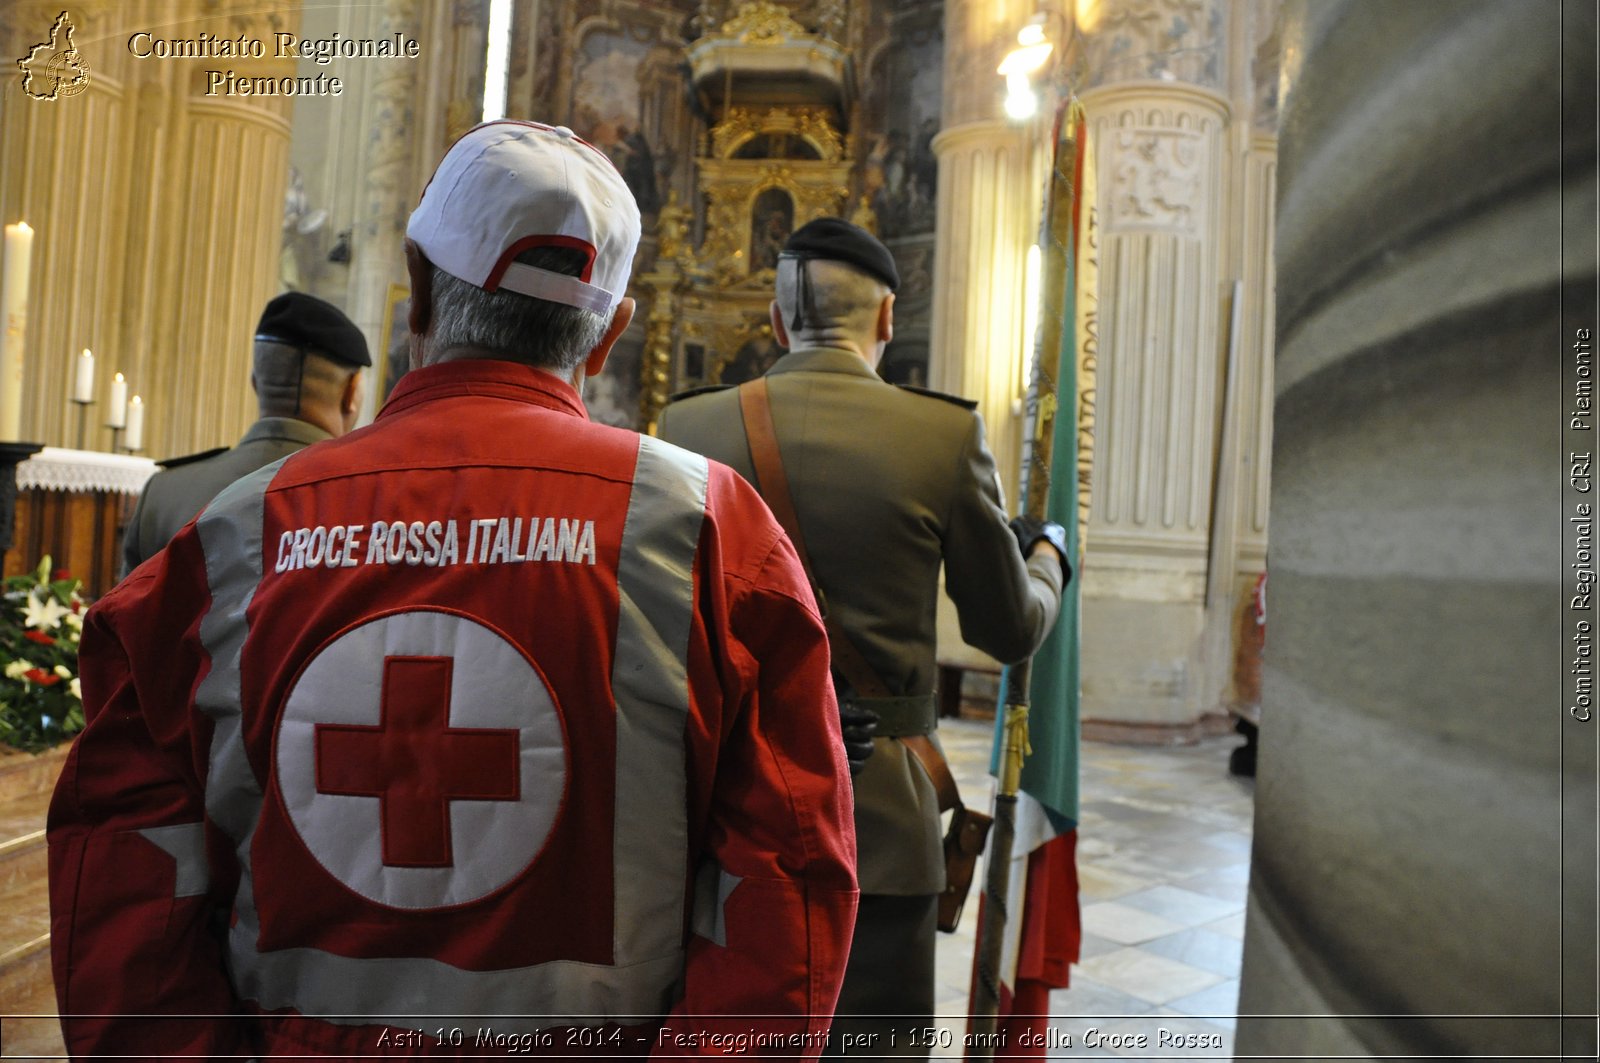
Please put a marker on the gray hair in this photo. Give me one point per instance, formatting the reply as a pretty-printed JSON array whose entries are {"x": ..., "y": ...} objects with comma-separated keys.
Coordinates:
[
  {"x": 843, "y": 298},
  {"x": 515, "y": 326}
]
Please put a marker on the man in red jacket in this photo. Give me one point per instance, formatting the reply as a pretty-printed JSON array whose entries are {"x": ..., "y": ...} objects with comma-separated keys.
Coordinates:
[{"x": 484, "y": 728}]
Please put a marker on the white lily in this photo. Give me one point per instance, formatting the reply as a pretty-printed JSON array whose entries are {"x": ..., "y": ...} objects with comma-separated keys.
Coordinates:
[
  {"x": 76, "y": 688},
  {"x": 44, "y": 612},
  {"x": 18, "y": 668}
]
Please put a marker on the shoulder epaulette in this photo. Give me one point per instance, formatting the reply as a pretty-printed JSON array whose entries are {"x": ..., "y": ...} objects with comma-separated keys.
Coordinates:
[
  {"x": 703, "y": 389},
  {"x": 173, "y": 463},
  {"x": 965, "y": 404}
]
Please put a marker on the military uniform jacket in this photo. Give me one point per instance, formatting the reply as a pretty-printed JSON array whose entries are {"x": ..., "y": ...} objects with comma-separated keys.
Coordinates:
[
  {"x": 173, "y": 496},
  {"x": 887, "y": 484},
  {"x": 484, "y": 716}
]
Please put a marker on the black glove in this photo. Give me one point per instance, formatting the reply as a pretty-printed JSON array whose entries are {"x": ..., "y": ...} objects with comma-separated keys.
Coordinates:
[
  {"x": 1029, "y": 530},
  {"x": 857, "y": 725}
]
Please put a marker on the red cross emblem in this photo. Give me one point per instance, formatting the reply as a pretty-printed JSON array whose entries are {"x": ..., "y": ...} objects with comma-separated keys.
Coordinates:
[
  {"x": 455, "y": 732},
  {"x": 415, "y": 763}
]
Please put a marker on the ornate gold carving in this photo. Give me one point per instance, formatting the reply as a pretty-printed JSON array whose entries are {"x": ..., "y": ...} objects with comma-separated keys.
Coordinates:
[
  {"x": 672, "y": 226},
  {"x": 865, "y": 216},
  {"x": 655, "y": 367},
  {"x": 762, "y": 22},
  {"x": 813, "y": 124}
]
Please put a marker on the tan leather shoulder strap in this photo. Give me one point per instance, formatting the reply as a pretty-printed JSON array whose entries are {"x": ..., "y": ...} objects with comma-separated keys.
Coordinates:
[{"x": 773, "y": 483}]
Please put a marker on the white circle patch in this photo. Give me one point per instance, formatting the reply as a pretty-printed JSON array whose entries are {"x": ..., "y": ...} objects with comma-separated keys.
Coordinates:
[{"x": 421, "y": 759}]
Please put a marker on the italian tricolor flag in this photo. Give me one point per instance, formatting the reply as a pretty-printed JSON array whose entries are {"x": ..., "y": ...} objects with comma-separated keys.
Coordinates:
[{"x": 1043, "y": 933}]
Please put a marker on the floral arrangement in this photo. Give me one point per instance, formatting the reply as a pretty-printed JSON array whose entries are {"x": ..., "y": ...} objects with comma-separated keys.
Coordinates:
[{"x": 41, "y": 618}]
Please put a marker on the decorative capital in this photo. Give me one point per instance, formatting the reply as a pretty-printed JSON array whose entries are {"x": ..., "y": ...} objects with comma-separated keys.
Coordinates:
[{"x": 762, "y": 22}]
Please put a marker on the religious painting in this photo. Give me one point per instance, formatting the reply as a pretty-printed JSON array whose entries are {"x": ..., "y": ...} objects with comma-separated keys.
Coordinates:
[
  {"x": 771, "y": 222},
  {"x": 900, "y": 174},
  {"x": 607, "y": 107}
]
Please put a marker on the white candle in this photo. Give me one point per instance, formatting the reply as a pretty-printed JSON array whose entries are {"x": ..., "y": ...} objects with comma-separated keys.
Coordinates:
[
  {"x": 134, "y": 439},
  {"x": 13, "y": 326},
  {"x": 83, "y": 384},
  {"x": 117, "y": 416}
]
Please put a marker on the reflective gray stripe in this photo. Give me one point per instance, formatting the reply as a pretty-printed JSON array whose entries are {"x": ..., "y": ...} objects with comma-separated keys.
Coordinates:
[
  {"x": 650, "y": 681},
  {"x": 186, "y": 844},
  {"x": 230, "y": 537},
  {"x": 415, "y": 993},
  {"x": 711, "y": 888},
  {"x": 655, "y": 583}
]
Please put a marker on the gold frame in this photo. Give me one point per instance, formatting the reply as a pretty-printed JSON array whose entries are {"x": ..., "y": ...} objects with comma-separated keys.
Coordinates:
[{"x": 398, "y": 293}]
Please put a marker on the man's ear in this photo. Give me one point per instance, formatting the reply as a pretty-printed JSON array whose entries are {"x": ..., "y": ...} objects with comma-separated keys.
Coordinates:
[
  {"x": 886, "y": 319},
  {"x": 350, "y": 401},
  {"x": 780, "y": 334},
  {"x": 620, "y": 320},
  {"x": 421, "y": 272}
]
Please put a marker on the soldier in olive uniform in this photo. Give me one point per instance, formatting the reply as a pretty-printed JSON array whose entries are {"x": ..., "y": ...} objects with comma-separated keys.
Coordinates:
[
  {"x": 887, "y": 484},
  {"x": 307, "y": 379}
]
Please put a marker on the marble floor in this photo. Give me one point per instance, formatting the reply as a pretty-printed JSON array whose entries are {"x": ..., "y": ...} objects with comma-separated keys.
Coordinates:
[{"x": 1163, "y": 864}]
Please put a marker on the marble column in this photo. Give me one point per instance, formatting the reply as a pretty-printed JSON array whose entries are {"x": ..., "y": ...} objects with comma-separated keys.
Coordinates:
[
  {"x": 389, "y": 189},
  {"x": 1425, "y": 831},
  {"x": 989, "y": 199},
  {"x": 1160, "y": 119},
  {"x": 158, "y": 211}
]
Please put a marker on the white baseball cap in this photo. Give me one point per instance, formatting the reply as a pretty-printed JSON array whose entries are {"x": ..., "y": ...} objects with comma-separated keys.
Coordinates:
[{"x": 507, "y": 186}]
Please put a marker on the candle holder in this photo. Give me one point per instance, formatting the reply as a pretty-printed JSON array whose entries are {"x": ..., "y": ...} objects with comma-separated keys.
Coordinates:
[
  {"x": 11, "y": 455},
  {"x": 116, "y": 437},
  {"x": 83, "y": 418}
]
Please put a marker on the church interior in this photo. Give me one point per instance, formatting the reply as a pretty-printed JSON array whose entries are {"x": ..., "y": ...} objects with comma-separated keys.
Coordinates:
[{"x": 1333, "y": 278}]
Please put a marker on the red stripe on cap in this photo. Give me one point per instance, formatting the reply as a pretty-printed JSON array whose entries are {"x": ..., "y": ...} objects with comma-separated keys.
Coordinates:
[{"x": 583, "y": 247}]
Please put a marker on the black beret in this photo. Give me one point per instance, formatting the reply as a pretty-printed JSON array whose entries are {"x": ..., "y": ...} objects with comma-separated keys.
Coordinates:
[
  {"x": 839, "y": 241},
  {"x": 299, "y": 320}
]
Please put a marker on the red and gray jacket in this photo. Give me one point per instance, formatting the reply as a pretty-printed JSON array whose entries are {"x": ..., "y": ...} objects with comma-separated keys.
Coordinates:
[{"x": 485, "y": 728}]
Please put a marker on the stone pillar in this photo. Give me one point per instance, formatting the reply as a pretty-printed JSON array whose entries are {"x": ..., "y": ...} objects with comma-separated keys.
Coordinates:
[
  {"x": 158, "y": 211},
  {"x": 455, "y": 38},
  {"x": 989, "y": 197},
  {"x": 1421, "y": 848},
  {"x": 1160, "y": 123},
  {"x": 389, "y": 189}
]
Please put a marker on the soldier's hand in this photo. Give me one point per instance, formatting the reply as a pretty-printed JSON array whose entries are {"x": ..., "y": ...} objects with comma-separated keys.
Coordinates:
[
  {"x": 857, "y": 725},
  {"x": 1031, "y": 531}
]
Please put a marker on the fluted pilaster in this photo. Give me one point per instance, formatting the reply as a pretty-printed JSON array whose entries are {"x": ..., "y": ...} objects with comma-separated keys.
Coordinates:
[
  {"x": 988, "y": 216},
  {"x": 989, "y": 198},
  {"x": 158, "y": 212},
  {"x": 390, "y": 188},
  {"x": 1162, "y": 165}
]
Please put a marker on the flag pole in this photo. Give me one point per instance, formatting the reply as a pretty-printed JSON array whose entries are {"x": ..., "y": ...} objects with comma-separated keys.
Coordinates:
[{"x": 1061, "y": 228}]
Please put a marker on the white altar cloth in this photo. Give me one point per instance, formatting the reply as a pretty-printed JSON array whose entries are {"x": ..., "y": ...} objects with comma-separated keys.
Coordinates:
[{"x": 60, "y": 469}]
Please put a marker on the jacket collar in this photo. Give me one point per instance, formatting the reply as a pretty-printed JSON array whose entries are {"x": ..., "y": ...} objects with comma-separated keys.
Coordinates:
[
  {"x": 291, "y": 429},
  {"x": 824, "y": 360},
  {"x": 484, "y": 376}
]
